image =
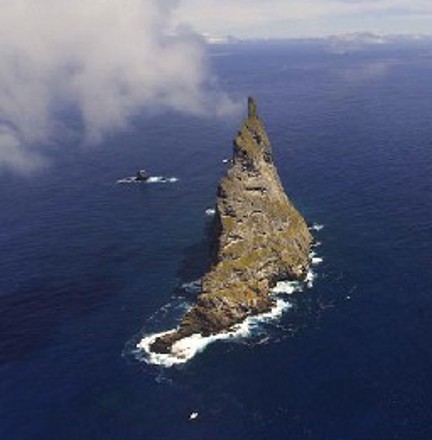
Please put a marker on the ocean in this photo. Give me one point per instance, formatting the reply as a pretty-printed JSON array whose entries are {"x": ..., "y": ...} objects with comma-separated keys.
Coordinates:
[{"x": 89, "y": 266}]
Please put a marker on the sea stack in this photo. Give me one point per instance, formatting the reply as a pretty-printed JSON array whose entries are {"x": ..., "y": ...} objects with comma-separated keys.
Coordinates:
[{"x": 259, "y": 236}]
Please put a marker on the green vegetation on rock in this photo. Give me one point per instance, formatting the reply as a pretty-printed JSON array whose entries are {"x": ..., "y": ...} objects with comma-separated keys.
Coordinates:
[{"x": 262, "y": 238}]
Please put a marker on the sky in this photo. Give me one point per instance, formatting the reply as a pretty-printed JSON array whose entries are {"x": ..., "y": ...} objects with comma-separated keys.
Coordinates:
[
  {"x": 109, "y": 60},
  {"x": 305, "y": 18}
]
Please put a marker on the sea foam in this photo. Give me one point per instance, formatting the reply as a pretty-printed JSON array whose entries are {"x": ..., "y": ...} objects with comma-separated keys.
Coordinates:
[
  {"x": 185, "y": 349},
  {"x": 192, "y": 286},
  {"x": 161, "y": 179},
  {"x": 152, "y": 179},
  {"x": 316, "y": 227},
  {"x": 315, "y": 260}
]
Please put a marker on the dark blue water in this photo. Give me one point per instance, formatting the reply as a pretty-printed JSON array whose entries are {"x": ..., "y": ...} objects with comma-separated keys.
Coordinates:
[{"x": 84, "y": 264}]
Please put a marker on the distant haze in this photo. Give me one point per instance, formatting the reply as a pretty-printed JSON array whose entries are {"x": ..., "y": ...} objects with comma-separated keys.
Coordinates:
[
  {"x": 306, "y": 18},
  {"x": 105, "y": 60}
]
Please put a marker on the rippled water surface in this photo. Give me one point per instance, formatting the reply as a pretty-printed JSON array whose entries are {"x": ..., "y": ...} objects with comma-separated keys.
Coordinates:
[{"x": 87, "y": 266}]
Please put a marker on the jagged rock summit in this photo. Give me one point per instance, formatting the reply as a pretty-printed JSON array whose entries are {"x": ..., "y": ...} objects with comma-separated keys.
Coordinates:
[{"x": 260, "y": 239}]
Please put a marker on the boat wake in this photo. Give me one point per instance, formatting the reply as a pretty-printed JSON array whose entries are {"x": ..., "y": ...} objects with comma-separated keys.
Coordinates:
[{"x": 187, "y": 348}]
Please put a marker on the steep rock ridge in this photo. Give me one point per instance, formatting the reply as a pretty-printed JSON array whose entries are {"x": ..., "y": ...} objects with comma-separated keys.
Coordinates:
[{"x": 260, "y": 238}]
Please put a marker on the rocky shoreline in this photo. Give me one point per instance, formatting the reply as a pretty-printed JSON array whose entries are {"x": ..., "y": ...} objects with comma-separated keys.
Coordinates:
[{"x": 259, "y": 239}]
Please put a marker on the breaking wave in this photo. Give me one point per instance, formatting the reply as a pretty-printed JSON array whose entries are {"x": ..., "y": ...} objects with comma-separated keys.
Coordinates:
[
  {"x": 184, "y": 350},
  {"x": 161, "y": 179},
  {"x": 315, "y": 260},
  {"x": 187, "y": 348},
  {"x": 316, "y": 227},
  {"x": 192, "y": 287},
  {"x": 152, "y": 179}
]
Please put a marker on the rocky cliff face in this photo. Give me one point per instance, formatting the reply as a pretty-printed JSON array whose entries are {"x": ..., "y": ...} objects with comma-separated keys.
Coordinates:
[{"x": 260, "y": 239}]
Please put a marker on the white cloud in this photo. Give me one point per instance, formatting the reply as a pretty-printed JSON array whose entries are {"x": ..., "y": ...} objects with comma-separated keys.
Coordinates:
[{"x": 106, "y": 58}]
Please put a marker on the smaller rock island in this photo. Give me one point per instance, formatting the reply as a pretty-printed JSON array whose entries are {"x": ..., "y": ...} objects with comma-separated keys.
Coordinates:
[
  {"x": 142, "y": 176},
  {"x": 259, "y": 239}
]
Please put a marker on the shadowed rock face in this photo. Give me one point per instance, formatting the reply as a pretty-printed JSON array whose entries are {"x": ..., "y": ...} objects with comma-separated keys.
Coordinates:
[{"x": 260, "y": 238}]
